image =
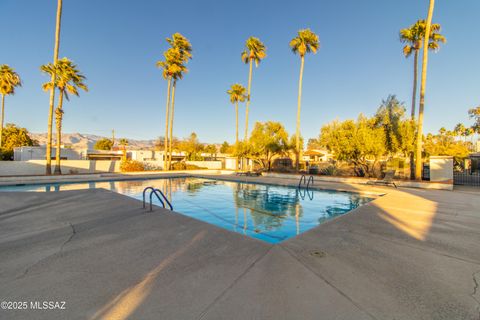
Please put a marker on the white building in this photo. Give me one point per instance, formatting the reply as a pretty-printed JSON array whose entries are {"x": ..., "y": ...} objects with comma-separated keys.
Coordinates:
[
  {"x": 39, "y": 153},
  {"x": 317, "y": 155}
]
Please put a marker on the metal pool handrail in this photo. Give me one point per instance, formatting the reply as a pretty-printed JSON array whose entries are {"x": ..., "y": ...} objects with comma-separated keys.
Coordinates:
[
  {"x": 310, "y": 180},
  {"x": 160, "y": 196},
  {"x": 159, "y": 193},
  {"x": 143, "y": 196},
  {"x": 154, "y": 191},
  {"x": 302, "y": 178}
]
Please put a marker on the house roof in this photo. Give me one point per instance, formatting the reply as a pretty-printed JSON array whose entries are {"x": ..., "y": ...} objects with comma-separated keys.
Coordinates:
[{"x": 320, "y": 153}]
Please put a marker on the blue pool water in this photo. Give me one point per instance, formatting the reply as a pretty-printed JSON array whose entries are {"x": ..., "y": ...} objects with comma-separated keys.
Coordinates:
[{"x": 269, "y": 213}]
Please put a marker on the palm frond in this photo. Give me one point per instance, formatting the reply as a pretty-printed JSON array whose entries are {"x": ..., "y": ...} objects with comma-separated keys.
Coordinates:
[
  {"x": 9, "y": 80},
  {"x": 305, "y": 42},
  {"x": 254, "y": 50}
]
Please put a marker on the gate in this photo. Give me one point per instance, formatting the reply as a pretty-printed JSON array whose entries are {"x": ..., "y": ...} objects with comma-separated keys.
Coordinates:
[{"x": 467, "y": 178}]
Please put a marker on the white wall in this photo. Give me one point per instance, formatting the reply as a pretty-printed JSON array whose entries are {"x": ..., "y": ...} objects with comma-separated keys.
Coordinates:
[
  {"x": 37, "y": 167},
  {"x": 207, "y": 164},
  {"x": 441, "y": 169},
  {"x": 230, "y": 164},
  {"x": 39, "y": 153}
]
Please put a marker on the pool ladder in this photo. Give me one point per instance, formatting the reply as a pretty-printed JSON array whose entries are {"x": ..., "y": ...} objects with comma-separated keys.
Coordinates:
[
  {"x": 302, "y": 192},
  {"x": 306, "y": 182},
  {"x": 160, "y": 196}
]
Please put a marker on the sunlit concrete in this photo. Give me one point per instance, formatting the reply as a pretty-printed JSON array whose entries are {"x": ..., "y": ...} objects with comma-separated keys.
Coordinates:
[{"x": 409, "y": 254}]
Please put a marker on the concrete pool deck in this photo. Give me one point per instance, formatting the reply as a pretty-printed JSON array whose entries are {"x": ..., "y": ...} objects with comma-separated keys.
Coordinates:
[{"x": 410, "y": 254}]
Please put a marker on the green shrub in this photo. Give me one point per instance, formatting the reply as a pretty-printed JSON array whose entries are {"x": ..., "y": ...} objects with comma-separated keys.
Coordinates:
[
  {"x": 331, "y": 170},
  {"x": 128, "y": 165}
]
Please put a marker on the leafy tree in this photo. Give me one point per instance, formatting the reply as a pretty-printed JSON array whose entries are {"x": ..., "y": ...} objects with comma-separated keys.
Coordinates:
[
  {"x": 444, "y": 144},
  {"x": 313, "y": 144},
  {"x": 48, "y": 167},
  {"x": 418, "y": 150},
  {"x": 242, "y": 150},
  {"x": 292, "y": 143},
  {"x": 14, "y": 137},
  {"x": 467, "y": 133},
  {"x": 360, "y": 142},
  {"x": 212, "y": 150},
  {"x": 267, "y": 140},
  {"x": 103, "y": 144},
  {"x": 68, "y": 80},
  {"x": 399, "y": 132},
  {"x": 225, "y": 147},
  {"x": 407, "y": 131},
  {"x": 192, "y": 147},
  {"x": 459, "y": 129},
  {"x": 305, "y": 42},
  {"x": 9, "y": 80},
  {"x": 413, "y": 38},
  {"x": 474, "y": 114},
  {"x": 255, "y": 51}
]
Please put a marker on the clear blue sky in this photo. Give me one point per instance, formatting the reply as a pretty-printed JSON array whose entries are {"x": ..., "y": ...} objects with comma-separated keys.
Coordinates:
[{"x": 117, "y": 42}]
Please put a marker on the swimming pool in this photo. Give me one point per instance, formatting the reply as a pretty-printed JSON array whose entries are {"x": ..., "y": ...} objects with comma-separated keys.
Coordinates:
[{"x": 266, "y": 212}]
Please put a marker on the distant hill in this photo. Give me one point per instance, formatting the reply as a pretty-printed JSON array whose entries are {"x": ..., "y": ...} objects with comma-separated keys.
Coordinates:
[{"x": 82, "y": 141}]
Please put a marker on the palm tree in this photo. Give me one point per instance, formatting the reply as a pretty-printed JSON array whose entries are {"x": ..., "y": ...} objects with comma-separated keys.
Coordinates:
[
  {"x": 305, "y": 42},
  {"x": 9, "y": 80},
  {"x": 413, "y": 38},
  {"x": 237, "y": 94},
  {"x": 177, "y": 74},
  {"x": 418, "y": 151},
  {"x": 123, "y": 143},
  {"x": 467, "y": 132},
  {"x": 181, "y": 54},
  {"x": 173, "y": 69},
  {"x": 255, "y": 51},
  {"x": 68, "y": 80},
  {"x": 48, "y": 168},
  {"x": 459, "y": 130},
  {"x": 167, "y": 76}
]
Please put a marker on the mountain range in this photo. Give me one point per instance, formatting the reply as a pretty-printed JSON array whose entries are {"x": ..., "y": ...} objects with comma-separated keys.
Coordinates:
[{"x": 82, "y": 141}]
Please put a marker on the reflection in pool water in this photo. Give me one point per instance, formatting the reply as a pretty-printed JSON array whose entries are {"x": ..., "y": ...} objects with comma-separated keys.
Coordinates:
[{"x": 269, "y": 213}]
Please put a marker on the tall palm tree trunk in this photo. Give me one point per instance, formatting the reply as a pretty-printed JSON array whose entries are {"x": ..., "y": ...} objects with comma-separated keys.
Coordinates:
[
  {"x": 48, "y": 168},
  {"x": 414, "y": 103},
  {"x": 236, "y": 133},
  {"x": 299, "y": 106},
  {"x": 248, "y": 99},
  {"x": 415, "y": 85},
  {"x": 165, "y": 146},
  {"x": 418, "y": 151},
  {"x": 58, "y": 122},
  {"x": 172, "y": 110},
  {"x": 247, "y": 105},
  {"x": 2, "y": 115}
]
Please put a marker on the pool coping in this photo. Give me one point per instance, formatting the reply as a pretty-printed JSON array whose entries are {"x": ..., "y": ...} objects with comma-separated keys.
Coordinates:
[{"x": 327, "y": 185}]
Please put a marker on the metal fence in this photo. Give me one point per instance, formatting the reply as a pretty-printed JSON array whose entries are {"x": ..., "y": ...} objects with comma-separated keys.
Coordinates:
[{"x": 467, "y": 178}]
